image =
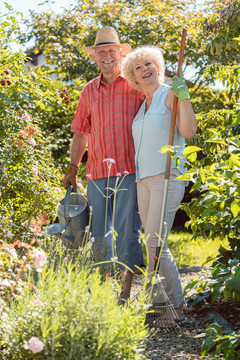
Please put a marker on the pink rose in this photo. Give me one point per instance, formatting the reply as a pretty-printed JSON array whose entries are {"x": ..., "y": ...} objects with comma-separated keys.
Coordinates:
[
  {"x": 25, "y": 117},
  {"x": 3, "y": 169},
  {"x": 40, "y": 258},
  {"x": 35, "y": 345},
  {"x": 23, "y": 134},
  {"x": 31, "y": 141},
  {"x": 34, "y": 171}
]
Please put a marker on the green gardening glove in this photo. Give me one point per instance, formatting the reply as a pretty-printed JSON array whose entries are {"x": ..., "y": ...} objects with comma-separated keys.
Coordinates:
[{"x": 179, "y": 86}]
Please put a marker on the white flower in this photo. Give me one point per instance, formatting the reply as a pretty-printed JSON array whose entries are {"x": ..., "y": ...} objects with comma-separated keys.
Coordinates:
[
  {"x": 9, "y": 234},
  {"x": 35, "y": 345},
  {"x": 4, "y": 282},
  {"x": 13, "y": 253},
  {"x": 40, "y": 258}
]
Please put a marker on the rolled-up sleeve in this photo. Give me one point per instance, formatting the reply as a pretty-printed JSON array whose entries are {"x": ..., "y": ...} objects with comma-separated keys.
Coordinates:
[{"x": 82, "y": 119}]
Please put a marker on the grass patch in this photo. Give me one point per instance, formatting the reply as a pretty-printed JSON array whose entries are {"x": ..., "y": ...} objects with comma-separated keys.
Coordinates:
[{"x": 192, "y": 252}]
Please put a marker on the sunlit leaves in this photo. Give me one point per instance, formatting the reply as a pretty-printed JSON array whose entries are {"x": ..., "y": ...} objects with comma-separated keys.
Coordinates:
[{"x": 223, "y": 28}]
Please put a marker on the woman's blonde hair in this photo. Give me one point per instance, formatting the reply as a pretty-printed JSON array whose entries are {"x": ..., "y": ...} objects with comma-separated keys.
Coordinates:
[{"x": 149, "y": 52}]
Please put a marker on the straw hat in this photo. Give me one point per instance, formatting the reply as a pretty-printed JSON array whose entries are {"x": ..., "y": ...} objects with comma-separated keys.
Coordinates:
[{"x": 107, "y": 36}]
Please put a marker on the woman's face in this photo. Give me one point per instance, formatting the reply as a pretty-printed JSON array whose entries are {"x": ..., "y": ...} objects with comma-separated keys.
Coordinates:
[{"x": 145, "y": 72}]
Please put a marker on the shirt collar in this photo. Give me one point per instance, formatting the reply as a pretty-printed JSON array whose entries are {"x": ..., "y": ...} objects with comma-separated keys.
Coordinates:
[{"x": 99, "y": 79}]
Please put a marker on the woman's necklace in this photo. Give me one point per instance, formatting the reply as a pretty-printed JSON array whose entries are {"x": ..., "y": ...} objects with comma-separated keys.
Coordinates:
[{"x": 147, "y": 104}]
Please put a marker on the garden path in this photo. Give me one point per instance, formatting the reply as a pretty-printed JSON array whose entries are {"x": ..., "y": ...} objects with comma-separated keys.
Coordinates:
[{"x": 183, "y": 344}]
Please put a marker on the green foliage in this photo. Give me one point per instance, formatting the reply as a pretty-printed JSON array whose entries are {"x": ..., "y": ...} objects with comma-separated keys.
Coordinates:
[
  {"x": 218, "y": 207},
  {"x": 225, "y": 343},
  {"x": 215, "y": 213},
  {"x": 223, "y": 284},
  {"x": 59, "y": 254},
  {"x": 30, "y": 181},
  {"x": 9, "y": 27},
  {"x": 76, "y": 317},
  {"x": 228, "y": 75},
  {"x": 62, "y": 37},
  {"x": 222, "y": 28},
  {"x": 19, "y": 263}
]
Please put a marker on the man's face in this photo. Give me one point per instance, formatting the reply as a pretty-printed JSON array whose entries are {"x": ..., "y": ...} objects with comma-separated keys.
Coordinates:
[{"x": 108, "y": 58}]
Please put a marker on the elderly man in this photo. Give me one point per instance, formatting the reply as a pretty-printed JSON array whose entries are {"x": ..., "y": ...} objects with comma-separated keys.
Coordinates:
[{"x": 106, "y": 109}]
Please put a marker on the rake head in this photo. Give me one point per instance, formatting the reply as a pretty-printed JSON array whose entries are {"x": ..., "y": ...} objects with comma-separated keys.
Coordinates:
[
  {"x": 162, "y": 317},
  {"x": 161, "y": 313}
]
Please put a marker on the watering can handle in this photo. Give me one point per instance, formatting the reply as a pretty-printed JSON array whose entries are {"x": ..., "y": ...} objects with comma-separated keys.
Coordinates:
[{"x": 66, "y": 202}]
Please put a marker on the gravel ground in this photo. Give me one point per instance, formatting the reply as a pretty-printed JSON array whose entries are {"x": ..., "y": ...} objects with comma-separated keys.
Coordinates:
[{"x": 181, "y": 343}]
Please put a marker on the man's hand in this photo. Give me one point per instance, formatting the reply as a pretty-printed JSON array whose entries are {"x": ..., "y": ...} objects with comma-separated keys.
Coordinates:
[
  {"x": 71, "y": 177},
  {"x": 179, "y": 86}
]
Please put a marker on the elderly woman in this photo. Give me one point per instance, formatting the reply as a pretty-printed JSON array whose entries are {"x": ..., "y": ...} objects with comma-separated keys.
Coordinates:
[{"x": 144, "y": 69}]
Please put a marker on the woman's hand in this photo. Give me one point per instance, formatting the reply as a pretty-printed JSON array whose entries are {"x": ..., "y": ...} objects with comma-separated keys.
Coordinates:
[{"x": 179, "y": 86}]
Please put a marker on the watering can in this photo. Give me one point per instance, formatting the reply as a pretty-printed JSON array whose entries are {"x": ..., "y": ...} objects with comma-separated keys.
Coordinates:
[{"x": 73, "y": 218}]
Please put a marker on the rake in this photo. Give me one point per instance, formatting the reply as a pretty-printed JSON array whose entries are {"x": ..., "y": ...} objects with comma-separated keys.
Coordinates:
[{"x": 161, "y": 313}]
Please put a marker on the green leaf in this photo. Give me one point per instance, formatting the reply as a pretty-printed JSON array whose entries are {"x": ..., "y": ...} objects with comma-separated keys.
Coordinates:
[
  {"x": 235, "y": 209},
  {"x": 192, "y": 157},
  {"x": 191, "y": 149},
  {"x": 209, "y": 212},
  {"x": 217, "y": 292},
  {"x": 234, "y": 283},
  {"x": 235, "y": 160},
  {"x": 165, "y": 149},
  {"x": 202, "y": 177}
]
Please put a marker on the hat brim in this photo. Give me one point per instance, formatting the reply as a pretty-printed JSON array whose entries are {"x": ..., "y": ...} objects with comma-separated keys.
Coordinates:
[{"x": 126, "y": 48}]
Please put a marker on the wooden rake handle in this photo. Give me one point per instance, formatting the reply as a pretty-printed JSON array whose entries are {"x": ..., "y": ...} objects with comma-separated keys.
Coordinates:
[{"x": 174, "y": 111}]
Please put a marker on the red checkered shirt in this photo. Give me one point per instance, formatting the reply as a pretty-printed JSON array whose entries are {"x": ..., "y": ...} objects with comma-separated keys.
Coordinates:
[{"x": 105, "y": 113}]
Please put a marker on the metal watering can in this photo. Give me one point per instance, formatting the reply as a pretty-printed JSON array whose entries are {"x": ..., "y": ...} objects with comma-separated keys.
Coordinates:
[{"x": 73, "y": 219}]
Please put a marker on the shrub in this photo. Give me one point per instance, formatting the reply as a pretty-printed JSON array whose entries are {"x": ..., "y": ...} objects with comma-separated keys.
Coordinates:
[
  {"x": 225, "y": 343},
  {"x": 75, "y": 316},
  {"x": 19, "y": 264},
  {"x": 30, "y": 182}
]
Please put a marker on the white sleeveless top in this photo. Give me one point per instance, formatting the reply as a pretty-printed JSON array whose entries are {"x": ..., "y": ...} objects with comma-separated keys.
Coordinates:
[{"x": 151, "y": 132}]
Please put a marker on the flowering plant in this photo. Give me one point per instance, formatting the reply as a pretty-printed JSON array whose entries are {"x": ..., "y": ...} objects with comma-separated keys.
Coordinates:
[{"x": 18, "y": 261}]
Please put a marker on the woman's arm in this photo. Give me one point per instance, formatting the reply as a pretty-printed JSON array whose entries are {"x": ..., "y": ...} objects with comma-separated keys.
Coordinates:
[{"x": 186, "y": 120}]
